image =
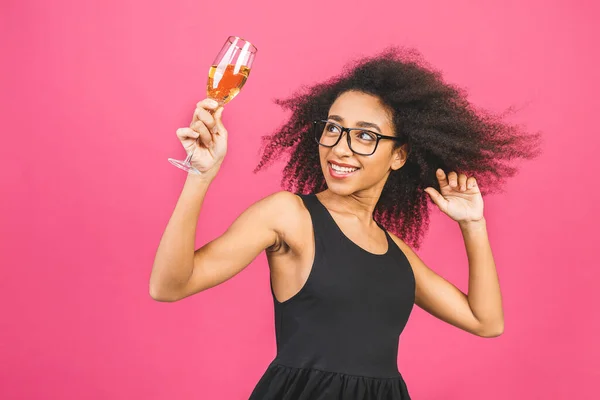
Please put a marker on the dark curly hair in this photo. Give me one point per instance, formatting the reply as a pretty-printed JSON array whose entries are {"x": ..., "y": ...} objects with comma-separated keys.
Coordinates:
[{"x": 442, "y": 129}]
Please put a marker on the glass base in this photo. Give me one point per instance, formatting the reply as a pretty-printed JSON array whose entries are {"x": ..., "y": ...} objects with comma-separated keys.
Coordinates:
[{"x": 184, "y": 166}]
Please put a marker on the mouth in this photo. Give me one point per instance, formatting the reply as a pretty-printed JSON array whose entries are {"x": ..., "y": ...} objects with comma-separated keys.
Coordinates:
[{"x": 339, "y": 172}]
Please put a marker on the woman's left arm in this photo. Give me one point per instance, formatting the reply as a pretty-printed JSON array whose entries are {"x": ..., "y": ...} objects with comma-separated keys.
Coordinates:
[
  {"x": 480, "y": 312},
  {"x": 484, "y": 296}
]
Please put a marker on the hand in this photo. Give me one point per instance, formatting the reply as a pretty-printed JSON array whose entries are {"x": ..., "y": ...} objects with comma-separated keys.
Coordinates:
[
  {"x": 206, "y": 137},
  {"x": 460, "y": 199}
]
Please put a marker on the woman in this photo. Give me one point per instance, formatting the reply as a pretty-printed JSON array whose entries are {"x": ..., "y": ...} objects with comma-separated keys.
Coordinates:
[{"x": 367, "y": 149}]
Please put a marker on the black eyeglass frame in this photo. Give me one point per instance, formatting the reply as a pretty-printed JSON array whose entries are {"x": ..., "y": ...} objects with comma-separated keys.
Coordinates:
[{"x": 347, "y": 130}]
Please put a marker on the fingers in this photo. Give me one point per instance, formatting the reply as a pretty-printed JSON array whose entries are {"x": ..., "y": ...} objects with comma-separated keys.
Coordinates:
[
  {"x": 206, "y": 138},
  {"x": 456, "y": 181},
  {"x": 207, "y": 105},
  {"x": 442, "y": 179},
  {"x": 219, "y": 128},
  {"x": 200, "y": 134},
  {"x": 206, "y": 123},
  {"x": 201, "y": 115},
  {"x": 453, "y": 179},
  {"x": 462, "y": 182},
  {"x": 471, "y": 182},
  {"x": 437, "y": 198},
  {"x": 201, "y": 128},
  {"x": 187, "y": 133}
]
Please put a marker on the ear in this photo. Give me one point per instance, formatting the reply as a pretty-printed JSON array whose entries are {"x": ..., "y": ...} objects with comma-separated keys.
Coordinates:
[{"x": 399, "y": 157}]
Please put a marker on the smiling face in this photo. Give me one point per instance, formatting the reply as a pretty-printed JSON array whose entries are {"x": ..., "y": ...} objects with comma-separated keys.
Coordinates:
[{"x": 346, "y": 172}]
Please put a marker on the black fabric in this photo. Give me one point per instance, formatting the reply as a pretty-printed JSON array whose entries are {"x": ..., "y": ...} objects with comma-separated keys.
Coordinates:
[{"x": 337, "y": 338}]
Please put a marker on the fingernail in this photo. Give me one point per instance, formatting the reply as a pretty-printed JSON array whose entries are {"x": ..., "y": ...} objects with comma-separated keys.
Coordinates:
[{"x": 214, "y": 103}]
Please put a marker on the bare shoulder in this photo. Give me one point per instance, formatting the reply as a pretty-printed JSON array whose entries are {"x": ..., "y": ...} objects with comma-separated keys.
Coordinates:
[
  {"x": 426, "y": 279},
  {"x": 288, "y": 215},
  {"x": 420, "y": 270},
  {"x": 261, "y": 226},
  {"x": 283, "y": 205},
  {"x": 283, "y": 198},
  {"x": 406, "y": 249}
]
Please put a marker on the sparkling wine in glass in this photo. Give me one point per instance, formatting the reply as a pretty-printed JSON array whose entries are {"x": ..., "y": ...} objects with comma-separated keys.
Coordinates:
[{"x": 226, "y": 77}]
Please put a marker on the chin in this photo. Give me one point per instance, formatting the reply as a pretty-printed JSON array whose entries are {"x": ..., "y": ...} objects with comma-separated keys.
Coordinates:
[{"x": 341, "y": 189}]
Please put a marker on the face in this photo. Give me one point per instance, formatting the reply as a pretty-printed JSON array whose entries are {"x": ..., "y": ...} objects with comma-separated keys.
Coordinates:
[{"x": 347, "y": 173}]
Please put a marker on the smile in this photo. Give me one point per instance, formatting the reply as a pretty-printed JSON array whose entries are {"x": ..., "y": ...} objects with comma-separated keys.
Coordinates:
[{"x": 338, "y": 172}]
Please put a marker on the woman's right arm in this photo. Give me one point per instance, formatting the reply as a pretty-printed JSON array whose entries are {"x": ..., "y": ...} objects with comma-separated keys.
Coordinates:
[{"x": 180, "y": 271}]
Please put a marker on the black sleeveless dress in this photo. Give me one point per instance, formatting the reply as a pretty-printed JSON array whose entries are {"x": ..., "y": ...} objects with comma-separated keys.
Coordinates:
[{"x": 337, "y": 338}]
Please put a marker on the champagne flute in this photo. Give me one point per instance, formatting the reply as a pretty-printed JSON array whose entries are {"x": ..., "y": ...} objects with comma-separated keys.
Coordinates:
[{"x": 226, "y": 77}]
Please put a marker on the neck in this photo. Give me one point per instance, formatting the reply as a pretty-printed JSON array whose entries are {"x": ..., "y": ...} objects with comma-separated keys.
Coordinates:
[{"x": 360, "y": 204}]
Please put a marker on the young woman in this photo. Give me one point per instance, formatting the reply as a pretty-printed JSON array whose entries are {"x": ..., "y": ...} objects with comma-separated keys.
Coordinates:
[{"x": 367, "y": 148}]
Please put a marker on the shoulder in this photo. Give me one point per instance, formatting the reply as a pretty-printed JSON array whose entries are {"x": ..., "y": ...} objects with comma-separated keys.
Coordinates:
[
  {"x": 282, "y": 208},
  {"x": 424, "y": 276},
  {"x": 280, "y": 201},
  {"x": 410, "y": 254},
  {"x": 403, "y": 246},
  {"x": 288, "y": 217}
]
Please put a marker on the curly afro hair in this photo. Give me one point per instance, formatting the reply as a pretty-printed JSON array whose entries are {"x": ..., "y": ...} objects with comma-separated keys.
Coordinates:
[{"x": 442, "y": 130}]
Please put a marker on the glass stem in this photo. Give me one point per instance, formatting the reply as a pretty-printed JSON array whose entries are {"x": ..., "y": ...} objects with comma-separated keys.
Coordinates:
[{"x": 188, "y": 159}]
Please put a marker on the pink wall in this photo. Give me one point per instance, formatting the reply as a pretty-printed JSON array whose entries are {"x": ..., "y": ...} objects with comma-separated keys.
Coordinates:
[{"x": 92, "y": 93}]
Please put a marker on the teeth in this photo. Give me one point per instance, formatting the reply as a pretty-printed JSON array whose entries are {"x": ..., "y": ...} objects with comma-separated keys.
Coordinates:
[{"x": 342, "y": 169}]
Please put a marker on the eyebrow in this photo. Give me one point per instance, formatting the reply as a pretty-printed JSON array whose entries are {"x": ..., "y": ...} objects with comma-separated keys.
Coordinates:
[{"x": 359, "y": 124}]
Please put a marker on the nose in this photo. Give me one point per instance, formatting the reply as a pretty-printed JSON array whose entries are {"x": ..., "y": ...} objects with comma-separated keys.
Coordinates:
[{"x": 342, "y": 148}]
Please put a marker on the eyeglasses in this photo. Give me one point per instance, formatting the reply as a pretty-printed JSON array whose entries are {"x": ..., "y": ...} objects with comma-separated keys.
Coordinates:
[{"x": 361, "y": 141}]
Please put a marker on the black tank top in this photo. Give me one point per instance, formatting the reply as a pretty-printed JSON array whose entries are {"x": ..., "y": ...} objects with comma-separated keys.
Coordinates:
[{"x": 337, "y": 338}]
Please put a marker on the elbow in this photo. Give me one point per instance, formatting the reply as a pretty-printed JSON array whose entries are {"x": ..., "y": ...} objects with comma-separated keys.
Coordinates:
[
  {"x": 492, "y": 331},
  {"x": 159, "y": 294}
]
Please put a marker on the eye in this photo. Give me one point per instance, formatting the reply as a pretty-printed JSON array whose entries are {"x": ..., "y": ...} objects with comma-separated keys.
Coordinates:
[
  {"x": 366, "y": 136},
  {"x": 332, "y": 128}
]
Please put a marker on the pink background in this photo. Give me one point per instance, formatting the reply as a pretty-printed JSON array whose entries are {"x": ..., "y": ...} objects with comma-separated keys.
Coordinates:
[{"x": 91, "y": 95}]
